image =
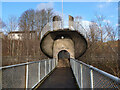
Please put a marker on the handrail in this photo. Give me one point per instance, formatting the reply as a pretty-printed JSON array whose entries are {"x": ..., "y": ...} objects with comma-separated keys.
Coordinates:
[
  {"x": 42, "y": 69},
  {"x": 10, "y": 66},
  {"x": 112, "y": 77},
  {"x": 56, "y": 25},
  {"x": 106, "y": 74}
]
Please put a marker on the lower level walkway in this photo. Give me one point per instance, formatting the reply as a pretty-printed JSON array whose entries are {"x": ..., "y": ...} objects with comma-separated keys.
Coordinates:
[{"x": 60, "y": 78}]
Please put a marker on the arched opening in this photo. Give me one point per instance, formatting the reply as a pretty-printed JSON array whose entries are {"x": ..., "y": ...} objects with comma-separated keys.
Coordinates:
[
  {"x": 63, "y": 59},
  {"x": 63, "y": 54}
]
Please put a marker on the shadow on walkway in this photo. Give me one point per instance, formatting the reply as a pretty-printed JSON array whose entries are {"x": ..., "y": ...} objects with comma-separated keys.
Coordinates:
[{"x": 60, "y": 78}]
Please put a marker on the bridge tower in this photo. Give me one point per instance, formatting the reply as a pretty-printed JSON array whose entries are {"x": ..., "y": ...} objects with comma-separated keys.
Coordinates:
[{"x": 67, "y": 39}]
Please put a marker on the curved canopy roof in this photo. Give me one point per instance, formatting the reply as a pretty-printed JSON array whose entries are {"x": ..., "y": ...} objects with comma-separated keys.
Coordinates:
[{"x": 47, "y": 42}]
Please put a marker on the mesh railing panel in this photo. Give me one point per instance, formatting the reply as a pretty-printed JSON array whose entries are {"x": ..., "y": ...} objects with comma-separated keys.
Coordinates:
[
  {"x": 25, "y": 75},
  {"x": 42, "y": 69},
  {"x": 13, "y": 77},
  {"x": 86, "y": 76},
  {"x": 79, "y": 74},
  {"x": 77, "y": 71},
  {"x": 101, "y": 81},
  {"x": 90, "y": 77},
  {"x": 32, "y": 74},
  {"x": 51, "y": 65},
  {"x": 47, "y": 66},
  {"x": 51, "y": 26}
]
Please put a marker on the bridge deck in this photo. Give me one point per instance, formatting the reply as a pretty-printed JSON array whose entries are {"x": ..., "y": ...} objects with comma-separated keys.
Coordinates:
[{"x": 60, "y": 78}]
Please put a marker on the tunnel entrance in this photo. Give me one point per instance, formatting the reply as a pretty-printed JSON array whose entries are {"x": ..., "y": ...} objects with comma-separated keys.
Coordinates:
[{"x": 63, "y": 59}]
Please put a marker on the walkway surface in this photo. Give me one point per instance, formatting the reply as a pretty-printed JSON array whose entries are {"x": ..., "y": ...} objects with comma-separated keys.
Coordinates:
[{"x": 60, "y": 78}]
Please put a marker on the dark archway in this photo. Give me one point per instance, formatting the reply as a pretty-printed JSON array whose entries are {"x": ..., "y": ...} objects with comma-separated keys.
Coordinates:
[
  {"x": 63, "y": 58},
  {"x": 63, "y": 54}
]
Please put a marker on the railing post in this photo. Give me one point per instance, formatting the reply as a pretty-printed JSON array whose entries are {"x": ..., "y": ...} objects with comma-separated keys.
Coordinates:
[
  {"x": 38, "y": 71},
  {"x": 91, "y": 78},
  {"x": 26, "y": 76},
  {"x": 0, "y": 78},
  {"x": 81, "y": 76},
  {"x": 45, "y": 68}
]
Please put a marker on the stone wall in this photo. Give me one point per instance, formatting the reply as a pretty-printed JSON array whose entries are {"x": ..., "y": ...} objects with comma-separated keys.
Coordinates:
[{"x": 63, "y": 44}]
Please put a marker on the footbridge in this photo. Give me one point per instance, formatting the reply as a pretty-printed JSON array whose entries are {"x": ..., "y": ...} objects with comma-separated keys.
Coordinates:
[{"x": 63, "y": 70}]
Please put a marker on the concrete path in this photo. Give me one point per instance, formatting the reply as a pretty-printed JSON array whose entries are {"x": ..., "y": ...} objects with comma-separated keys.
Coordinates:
[{"x": 60, "y": 78}]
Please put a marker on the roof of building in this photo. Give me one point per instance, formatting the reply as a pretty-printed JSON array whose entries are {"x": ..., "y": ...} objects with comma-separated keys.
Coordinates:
[{"x": 21, "y": 32}]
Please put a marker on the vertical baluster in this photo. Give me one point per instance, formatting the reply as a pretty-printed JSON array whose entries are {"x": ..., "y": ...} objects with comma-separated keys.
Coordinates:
[
  {"x": 26, "y": 77},
  {"x": 91, "y": 78},
  {"x": 39, "y": 71},
  {"x": 81, "y": 76}
]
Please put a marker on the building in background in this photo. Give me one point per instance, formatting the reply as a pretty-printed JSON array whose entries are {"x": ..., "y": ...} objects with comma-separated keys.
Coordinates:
[{"x": 19, "y": 35}]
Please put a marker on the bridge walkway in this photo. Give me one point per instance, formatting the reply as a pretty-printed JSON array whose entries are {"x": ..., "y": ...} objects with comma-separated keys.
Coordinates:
[{"x": 61, "y": 78}]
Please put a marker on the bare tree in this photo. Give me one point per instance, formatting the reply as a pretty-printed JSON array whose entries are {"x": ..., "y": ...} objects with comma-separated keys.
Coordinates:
[
  {"x": 32, "y": 20},
  {"x": 11, "y": 26},
  {"x": 42, "y": 18},
  {"x": 2, "y": 24},
  {"x": 99, "y": 21},
  {"x": 12, "y": 23},
  {"x": 102, "y": 46}
]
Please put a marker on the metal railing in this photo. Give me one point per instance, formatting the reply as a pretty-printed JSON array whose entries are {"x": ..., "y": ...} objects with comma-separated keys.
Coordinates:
[
  {"x": 56, "y": 25},
  {"x": 26, "y": 75},
  {"x": 88, "y": 76},
  {"x": 51, "y": 26}
]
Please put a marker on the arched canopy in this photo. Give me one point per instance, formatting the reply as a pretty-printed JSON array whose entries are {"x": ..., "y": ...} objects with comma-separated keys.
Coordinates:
[{"x": 48, "y": 41}]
